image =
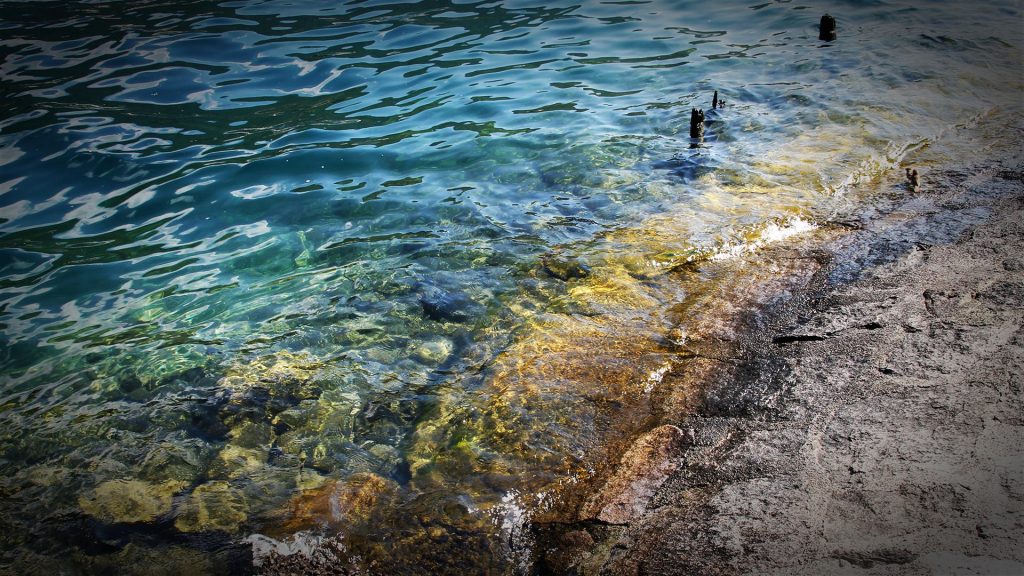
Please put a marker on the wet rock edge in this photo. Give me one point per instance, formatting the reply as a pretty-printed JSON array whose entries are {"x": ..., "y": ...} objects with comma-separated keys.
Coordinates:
[{"x": 795, "y": 458}]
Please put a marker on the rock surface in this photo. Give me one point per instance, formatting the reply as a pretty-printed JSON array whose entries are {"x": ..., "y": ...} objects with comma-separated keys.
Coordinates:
[
  {"x": 871, "y": 424},
  {"x": 213, "y": 506},
  {"x": 642, "y": 470},
  {"x": 130, "y": 500}
]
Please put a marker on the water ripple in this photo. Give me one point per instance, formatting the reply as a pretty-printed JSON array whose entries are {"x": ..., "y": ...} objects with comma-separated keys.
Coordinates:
[{"x": 191, "y": 190}]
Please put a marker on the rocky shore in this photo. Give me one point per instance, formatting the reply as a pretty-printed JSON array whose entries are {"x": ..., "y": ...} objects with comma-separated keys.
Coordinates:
[{"x": 867, "y": 419}]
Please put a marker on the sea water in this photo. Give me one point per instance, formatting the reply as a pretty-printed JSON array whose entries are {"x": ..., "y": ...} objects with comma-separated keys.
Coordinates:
[{"x": 288, "y": 278}]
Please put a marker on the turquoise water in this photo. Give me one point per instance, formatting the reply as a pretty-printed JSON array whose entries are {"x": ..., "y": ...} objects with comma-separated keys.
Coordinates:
[{"x": 256, "y": 256}]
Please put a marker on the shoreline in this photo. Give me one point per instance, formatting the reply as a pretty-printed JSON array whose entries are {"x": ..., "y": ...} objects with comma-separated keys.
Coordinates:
[
  {"x": 688, "y": 411},
  {"x": 866, "y": 420}
]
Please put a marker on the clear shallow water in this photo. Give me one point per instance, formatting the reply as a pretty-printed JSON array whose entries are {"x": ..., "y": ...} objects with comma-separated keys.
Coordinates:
[{"x": 242, "y": 237}]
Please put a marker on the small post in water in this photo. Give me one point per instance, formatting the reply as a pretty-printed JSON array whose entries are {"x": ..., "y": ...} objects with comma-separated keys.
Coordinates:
[
  {"x": 827, "y": 29},
  {"x": 697, "y": 124},
  {"x": 714, "y": 101},
  {"x": 913, "y": 180}
]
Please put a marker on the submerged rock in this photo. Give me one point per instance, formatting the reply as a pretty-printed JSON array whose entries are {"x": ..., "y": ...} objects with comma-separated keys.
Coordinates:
[
  {"x": 444, "y": 306},
  {"x": 323, "y": 430},
  {"x": 182, "y": 460},
  {"x": 130, "y": 501},
  {"x": 390, "y": 458},
  {"x": 253, "y": 435},
  {"x": 272, "y": 382},
  {"x": 440, "y": 536},
  {"x": 564, "y": 269},
  {"x": 136, "y": 560},
  {"x": 338, "y": 504},
  {"x": 433, "y": 352},
  {"x": 213, "y": 506},
  {"x": 236, "y": 461},
  {"x": 247, "y": 450},
  {"x": 251, "y": 398},
  {"x": 688, "y": 168}
]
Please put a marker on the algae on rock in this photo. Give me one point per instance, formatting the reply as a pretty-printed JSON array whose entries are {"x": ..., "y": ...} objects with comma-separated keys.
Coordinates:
[
  {"x": 128, "y": 501},
  {"x": 213, "y": 506}
]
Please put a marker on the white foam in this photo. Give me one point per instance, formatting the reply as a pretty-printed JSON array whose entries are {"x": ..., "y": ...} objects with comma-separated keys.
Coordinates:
[
  {"x": 513, "y": 519},
  {"x": 773, "y": 232},
  {"x": 655, "y": 378},
  {"x": 304, "y": 543}
]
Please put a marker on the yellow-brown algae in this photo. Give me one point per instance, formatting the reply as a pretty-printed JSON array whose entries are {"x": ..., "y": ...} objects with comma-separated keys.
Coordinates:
[
  {"x": 213, "y": 506},
  {"x": 337, "y": 504},
  {"x": 130, "y": 500}
]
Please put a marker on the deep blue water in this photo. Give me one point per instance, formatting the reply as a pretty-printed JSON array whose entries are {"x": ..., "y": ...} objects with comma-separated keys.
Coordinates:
[{"x": 237, "y": 236}]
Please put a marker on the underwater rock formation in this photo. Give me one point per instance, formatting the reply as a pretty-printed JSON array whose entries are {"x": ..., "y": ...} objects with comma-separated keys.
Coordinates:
[{"x": 116, "y": 501}]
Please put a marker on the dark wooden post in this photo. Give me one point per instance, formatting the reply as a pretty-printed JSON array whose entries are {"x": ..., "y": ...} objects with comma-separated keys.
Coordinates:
[
  {"x": 827, "y": 28},
  {"x": 697, "y": 124},
  {"x": 714, "y": 101}
]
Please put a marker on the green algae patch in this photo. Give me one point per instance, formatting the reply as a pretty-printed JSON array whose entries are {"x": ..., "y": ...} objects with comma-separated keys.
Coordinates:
[{"x": 129, "y": 501}]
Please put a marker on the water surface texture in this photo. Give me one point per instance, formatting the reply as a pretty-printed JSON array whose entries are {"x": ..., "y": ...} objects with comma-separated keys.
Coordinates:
[{"x": 333, "y": 277}]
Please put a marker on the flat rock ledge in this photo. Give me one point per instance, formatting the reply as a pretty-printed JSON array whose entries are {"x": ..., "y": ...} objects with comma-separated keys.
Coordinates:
[{"x": 873, "y": 425}]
